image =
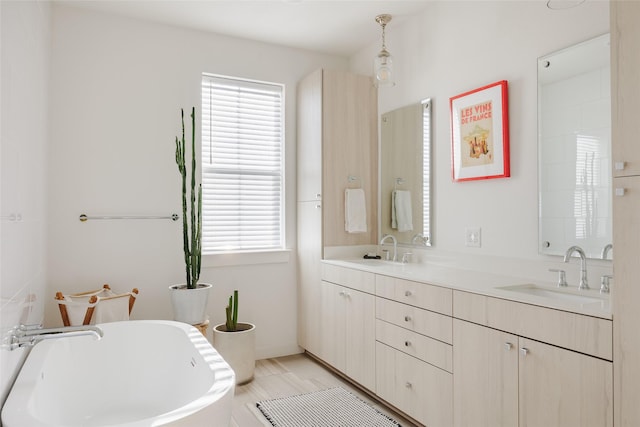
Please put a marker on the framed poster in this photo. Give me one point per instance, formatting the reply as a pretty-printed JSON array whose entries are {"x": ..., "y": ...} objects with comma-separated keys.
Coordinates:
[{"x": 480, "y": 133}]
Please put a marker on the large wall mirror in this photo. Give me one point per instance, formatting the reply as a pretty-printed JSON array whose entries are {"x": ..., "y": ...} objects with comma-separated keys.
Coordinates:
[
  {"x": 405, "y": 183},
  {"x": 574, "y": 149}
]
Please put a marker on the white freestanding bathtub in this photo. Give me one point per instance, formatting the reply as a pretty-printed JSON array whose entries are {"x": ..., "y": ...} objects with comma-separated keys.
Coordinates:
[{"x": 141, "y": 373}]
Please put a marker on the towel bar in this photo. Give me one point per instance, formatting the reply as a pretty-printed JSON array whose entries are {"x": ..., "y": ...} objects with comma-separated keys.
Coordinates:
[{"x": 173, "y": 217}]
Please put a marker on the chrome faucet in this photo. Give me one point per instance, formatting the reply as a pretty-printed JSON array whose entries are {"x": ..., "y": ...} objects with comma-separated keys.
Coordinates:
[
  {"x": 395, "y": 244},
  {"x": 604, "y": 283},
  {"x": 606, "y": 250},
  {"x": 583, "y": 264},
  {"x": 419, "y": 237},
  {"x": 30, "y": 335}
]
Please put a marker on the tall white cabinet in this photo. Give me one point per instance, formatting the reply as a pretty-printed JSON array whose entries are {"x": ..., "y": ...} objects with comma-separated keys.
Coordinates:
[
  {"x": 625, "y": 97},
  {"x": 337, "y": 135}
]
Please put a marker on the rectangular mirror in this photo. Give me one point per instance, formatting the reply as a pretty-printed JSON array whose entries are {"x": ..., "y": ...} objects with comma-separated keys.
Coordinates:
[
  {"x": 574, "y": 149},
  {"x": 405, "y": 184}
]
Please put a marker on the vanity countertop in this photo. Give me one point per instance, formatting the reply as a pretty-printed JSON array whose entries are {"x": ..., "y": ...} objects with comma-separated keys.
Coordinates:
[{"x": 588, "y": 302}]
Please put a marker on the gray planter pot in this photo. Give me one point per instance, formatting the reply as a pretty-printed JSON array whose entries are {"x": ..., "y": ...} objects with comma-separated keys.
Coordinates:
[{"x": 190, "y": 305}]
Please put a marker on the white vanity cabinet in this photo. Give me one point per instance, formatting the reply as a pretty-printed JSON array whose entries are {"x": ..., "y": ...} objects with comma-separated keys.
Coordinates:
[
  {"x": 414, "y": 355},
  {"x": 347, "y": 307},
  {"x": 504, "y": 378}
]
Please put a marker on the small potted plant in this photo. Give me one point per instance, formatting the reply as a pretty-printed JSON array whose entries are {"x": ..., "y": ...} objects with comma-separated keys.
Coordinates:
[
  {"x": 189, "y": 300},
  {"x": 236, "y": 342}
]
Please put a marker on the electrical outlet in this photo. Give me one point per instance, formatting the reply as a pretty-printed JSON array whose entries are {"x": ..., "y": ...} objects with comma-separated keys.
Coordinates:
[{"x": 472, "y": 237}]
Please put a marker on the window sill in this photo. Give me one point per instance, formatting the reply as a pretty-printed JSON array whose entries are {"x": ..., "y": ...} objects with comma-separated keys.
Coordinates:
[{"x": 225, "y": 259}]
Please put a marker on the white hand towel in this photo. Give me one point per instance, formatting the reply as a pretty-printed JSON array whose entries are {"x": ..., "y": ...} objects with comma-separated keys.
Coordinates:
[
  {"x": 355, "y": 218},
  {"x": 401, "y": 215}
]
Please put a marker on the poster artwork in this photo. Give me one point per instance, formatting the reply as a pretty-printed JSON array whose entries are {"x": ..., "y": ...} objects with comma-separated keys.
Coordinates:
[{"x": 476, "y": 130}]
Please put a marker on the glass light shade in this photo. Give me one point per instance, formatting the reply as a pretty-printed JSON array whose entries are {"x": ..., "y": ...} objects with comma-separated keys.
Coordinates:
[{"x": 383, "y": 69}]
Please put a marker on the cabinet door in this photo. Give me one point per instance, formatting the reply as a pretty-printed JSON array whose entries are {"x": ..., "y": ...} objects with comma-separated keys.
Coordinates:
[
  {"x": 485, "y": 380},
  {"x": 309, "y": 130},
  {"x": 563, "y": 388},
  {"x": 360, "y": 337},
  {"x": 625, "y": 292},
  {"x": 309, "y": 257},
  {"x": 625, "y": 96},
  {"x": 333, "y": 331}
]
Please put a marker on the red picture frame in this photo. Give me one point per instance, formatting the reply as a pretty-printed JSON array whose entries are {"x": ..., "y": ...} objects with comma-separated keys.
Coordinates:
[{"x": 480, "y": 133}]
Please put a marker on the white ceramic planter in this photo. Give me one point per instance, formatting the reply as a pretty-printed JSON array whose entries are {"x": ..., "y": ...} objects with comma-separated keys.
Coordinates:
[
  {"x": 238, "y": 349},
  {"x": 190, "y": 305}
]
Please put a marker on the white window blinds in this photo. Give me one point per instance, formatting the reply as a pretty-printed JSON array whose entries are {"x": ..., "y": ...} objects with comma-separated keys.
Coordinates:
[{"x": 242, "y": 164}]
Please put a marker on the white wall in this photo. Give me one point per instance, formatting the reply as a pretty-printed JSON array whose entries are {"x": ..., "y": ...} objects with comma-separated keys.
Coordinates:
[
  {"x": 454, "y": 47},
  {"x": 25, "y": 48},
  {"x": 118, "y": 86}
]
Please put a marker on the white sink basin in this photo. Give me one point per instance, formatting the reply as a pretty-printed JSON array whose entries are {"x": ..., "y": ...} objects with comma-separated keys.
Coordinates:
[
  {"x": 557, "y": 294},
  {"x": 372, "y": 262}
]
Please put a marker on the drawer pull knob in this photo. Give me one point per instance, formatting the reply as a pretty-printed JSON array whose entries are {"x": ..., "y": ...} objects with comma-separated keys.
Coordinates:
[
  {"x": 524, "y": 351},
  {"x": 508, "y": 346},
  {"x": 408, "y": 293},
  {"x": 407, "y": 318},
  {"x": 407, "y": 343},
  {"x": 408, "y": 384}
]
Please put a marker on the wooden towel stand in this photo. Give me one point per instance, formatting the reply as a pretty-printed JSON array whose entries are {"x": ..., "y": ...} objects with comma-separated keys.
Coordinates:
[{"x": 93, "y": 300}]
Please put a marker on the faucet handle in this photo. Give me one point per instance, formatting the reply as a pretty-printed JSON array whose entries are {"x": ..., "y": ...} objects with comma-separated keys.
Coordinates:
[
  {"x": 562, "y": 276},
  {"x": 604, "y": 283},
  {"x": 31, "y": 327}
]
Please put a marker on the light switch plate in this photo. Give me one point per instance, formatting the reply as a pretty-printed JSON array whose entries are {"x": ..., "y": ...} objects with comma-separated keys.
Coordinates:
[{"x": 472, "y": 237}]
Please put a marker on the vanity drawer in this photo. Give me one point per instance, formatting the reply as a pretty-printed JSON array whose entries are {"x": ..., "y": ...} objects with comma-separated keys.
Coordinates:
[
  {"x": 424, "y": 348},
  {"x": 429, "y": 297},
  {"x": 419, "y": 389},
  {"x": 424, "y": 322},
  {"x": 349, "y": 277}
]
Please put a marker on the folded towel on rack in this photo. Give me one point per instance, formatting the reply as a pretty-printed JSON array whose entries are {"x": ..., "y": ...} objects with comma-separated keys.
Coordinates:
[
  {"x": 401, "y": 216},
  {"x": 355, "y": 211}
]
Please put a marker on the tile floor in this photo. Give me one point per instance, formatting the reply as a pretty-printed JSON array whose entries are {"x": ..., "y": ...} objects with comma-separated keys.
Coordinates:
[{"x": 286, "y": 376}]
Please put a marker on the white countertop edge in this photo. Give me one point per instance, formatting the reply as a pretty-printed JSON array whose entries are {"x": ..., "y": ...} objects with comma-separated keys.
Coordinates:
[{"x": 479, "y": 283}]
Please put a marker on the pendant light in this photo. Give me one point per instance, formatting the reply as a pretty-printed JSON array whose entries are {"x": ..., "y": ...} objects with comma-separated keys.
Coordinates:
[{"x": 383, "y": 62}]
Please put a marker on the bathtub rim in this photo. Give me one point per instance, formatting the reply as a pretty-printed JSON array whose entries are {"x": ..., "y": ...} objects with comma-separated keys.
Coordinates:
[{"x": 17, "y": 409}]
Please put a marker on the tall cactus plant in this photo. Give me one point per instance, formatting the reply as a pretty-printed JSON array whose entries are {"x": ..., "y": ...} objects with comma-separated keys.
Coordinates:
[{"x": 191, "y": 218}]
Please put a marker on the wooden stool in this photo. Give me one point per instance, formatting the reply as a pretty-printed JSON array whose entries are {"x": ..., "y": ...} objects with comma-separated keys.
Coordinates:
[{"x": 202, "y": 327}]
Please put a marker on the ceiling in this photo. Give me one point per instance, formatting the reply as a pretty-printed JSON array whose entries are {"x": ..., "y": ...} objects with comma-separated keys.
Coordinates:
[{"x": 340, "y": 27}]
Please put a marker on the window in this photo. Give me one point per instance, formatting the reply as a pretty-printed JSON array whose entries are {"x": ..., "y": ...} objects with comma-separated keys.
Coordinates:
[{"x": 242, "y": 165}]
